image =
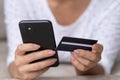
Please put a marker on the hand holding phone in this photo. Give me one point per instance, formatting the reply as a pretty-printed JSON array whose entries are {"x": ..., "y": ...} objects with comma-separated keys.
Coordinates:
[
  {"x": 21, "y": 67},
  {"x": 39, "y": 32}
]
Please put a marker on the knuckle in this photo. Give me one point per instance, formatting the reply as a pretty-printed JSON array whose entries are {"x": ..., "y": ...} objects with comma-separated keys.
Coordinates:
[
  {"x": 19, "y": 61},
  {"x": 19, "y": 47},
  {"x": 17, "y": 52}
]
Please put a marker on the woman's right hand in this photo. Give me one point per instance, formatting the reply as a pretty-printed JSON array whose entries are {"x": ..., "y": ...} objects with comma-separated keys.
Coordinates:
[{"x": 26, "y": 71}]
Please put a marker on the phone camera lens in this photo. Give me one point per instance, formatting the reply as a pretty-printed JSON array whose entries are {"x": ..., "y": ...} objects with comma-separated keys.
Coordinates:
[{"x": 29, "y": 28}]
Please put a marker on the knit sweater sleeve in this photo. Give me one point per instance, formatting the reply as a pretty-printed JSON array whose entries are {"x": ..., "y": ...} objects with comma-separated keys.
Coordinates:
[
  {"x": 14, "y": 12},
  {"x": 108, "y": 34}
]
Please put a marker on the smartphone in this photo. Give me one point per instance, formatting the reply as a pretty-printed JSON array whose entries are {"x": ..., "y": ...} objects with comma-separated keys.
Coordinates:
[{"x": 39, "y": 32}]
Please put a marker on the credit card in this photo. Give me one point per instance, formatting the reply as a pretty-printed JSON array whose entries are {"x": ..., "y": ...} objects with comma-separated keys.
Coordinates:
[{"x": 72, "y": 43}]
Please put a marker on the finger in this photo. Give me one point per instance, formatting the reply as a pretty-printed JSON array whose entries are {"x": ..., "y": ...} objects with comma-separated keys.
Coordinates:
[
  {"x": 33, "y": 75},
  {"x": 97, "y": 48},
  {"x": 37, "y": 66},
  {"x": 83, "y": 61},
  {"x": 23, "y": 48},
  {"x": 37, "y": 55},
  {"x": 86, "y": 54},
  {"x": 77, "y": 64}
]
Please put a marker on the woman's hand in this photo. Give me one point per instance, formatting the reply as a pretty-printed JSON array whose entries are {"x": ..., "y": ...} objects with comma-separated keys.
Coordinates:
[
  {"x": 84, "y": 60},
  {"x": 26, "y": 71}
]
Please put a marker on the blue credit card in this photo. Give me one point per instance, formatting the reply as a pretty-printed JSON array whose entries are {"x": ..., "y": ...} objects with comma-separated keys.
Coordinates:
[{"x": 72, "y": 43}]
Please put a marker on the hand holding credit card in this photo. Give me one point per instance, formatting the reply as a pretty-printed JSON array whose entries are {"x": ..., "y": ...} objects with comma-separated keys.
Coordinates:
[{"x": 70, "y": 44}]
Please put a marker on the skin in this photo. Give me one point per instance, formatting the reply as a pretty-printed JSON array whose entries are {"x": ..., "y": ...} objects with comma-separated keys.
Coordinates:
[
  {"x": 21, "y": 68},
  {"x": 67, "y": 12},
  {"x": 85, "y": 62}
]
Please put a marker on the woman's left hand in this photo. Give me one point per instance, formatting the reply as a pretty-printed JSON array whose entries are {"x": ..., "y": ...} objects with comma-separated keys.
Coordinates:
[{"x": 84, "y": 60}]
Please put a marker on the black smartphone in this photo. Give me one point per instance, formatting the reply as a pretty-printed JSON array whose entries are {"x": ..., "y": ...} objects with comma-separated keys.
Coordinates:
[{"x": 39, "y": 32}]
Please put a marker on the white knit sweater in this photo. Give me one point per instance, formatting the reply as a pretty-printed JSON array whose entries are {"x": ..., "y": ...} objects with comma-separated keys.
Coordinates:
[{"x": 100, "y": 21}]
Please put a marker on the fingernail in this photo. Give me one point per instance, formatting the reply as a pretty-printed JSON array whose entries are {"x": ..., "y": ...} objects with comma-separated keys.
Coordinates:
[
  {"x": 37, "y": 46},
  {"x": 51, "y": 52},
  {"x": 76, "y": 51},
  {"x": 53, "y": 61}
]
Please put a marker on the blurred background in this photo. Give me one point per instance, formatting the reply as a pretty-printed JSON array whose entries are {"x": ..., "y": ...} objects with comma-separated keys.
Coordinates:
[
  {"x": 4, "y": 51},
  {"x": 3, "y": 47}
]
